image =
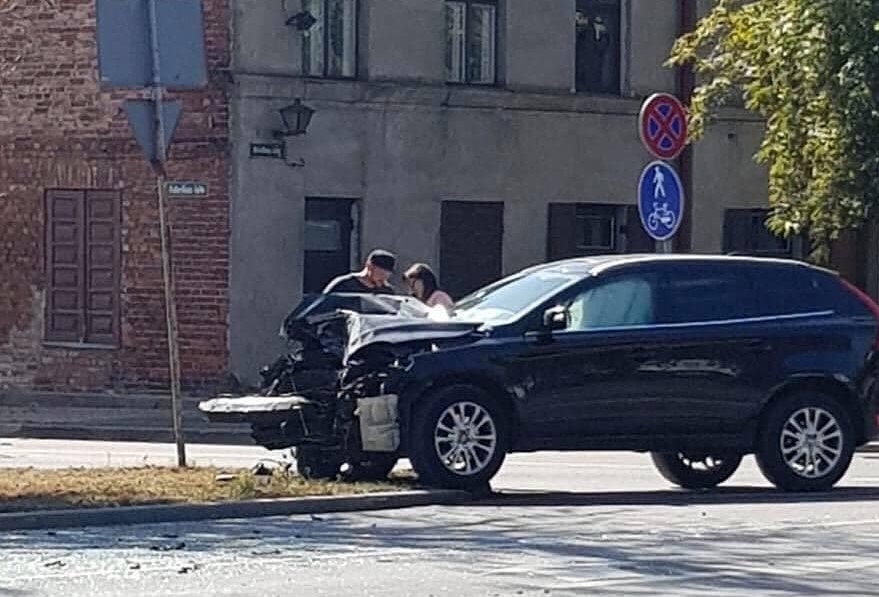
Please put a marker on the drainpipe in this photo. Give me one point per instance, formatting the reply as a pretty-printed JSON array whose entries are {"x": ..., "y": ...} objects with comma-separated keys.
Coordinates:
[{"x": 685, "y": 82}]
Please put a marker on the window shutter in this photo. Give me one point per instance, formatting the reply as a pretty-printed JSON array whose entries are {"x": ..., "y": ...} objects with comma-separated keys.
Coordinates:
[
  {"x": 737, "y": 231},
  {"x": 102, "y": 267},
  {"x": 561, "y": 239},
  {"x": 65, "y": 266}
]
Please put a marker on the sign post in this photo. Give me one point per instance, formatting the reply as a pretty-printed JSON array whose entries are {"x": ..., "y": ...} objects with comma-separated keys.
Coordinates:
[
  {"x": 662, "y": 126},
  {"x": 155, "y": 44}
]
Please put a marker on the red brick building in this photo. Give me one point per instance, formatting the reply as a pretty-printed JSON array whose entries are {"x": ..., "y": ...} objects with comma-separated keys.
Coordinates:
[{"x": 81, "y": 301}]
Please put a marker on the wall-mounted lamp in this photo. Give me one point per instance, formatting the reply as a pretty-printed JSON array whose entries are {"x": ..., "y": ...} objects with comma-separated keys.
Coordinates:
[
  {"x": 303, "y": 21},
  {"x": 296, "y": 118}
]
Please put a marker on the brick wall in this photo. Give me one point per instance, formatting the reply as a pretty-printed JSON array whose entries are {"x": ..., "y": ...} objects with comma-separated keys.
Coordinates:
[{"x": 59, "y": 129}]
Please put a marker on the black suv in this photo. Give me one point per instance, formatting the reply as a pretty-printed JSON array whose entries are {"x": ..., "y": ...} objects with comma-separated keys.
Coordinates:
[{"x": 698, "y": 360}]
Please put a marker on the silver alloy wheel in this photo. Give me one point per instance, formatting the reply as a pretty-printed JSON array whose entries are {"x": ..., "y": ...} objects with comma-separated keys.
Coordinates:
[
  {"x": 811, "y": 442},
  {"x": 465, "y": 438}
]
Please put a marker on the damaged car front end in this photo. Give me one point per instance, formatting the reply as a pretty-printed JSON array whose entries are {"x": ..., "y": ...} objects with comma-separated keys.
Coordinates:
[{"x": 334, "y": 396}]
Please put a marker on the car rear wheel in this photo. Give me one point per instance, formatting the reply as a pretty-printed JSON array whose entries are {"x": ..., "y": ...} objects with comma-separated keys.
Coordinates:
[
  {"x": 459, "y": 438},
  {"x": 696, "y": 471},
  {"x": 806, "y": 442}
]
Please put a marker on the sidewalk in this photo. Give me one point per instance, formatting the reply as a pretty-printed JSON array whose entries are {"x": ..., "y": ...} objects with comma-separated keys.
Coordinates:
[
  {"x": 109, "y": 417},
  {"x": 121, "y": 418}
]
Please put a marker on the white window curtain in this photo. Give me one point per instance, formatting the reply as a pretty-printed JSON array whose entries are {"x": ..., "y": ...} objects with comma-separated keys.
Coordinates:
[
  {"x": 330, "y": 46},
  {"x": 342, "y": 37},
  {"x": 313, "y": 40},
  {"x": 456, "y": 31},
  {"x": 482, "y": 43}
]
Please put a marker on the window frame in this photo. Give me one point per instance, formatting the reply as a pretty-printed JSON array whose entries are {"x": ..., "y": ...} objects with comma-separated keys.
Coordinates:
[
  {"x": 85, "y": 339},
  {"x": 325, "y": 46},
  {"x": 595, "y": 211},
  {"x": 468, "y": 4},
  {"x": 791, "y": 252},
  {"x": 739, "y": 274},
  {"x": 619, "y": 47}
]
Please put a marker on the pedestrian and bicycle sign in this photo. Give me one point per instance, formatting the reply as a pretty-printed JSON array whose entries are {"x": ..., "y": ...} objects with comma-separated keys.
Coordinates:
[
  {"x": 662, "y": 125},
  {"x": 660, "y": 200}
]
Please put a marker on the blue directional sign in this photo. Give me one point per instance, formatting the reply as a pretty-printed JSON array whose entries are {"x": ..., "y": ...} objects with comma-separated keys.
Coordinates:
[{"x": 660, "y": 200}]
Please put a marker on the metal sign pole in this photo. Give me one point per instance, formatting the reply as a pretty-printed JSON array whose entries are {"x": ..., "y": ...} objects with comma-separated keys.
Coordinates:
[
  {"x": 167, "y": 273},
  {"x": 664, "y": 246}
]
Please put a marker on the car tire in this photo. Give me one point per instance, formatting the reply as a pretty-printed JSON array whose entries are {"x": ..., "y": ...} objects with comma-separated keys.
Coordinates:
[
  {"x": 459, "y": 438},
  {"x": 692, "y": 471},
  {"x": 806, "y": 442},
  {"x": 376, "y": 467},
  {"x": 315, "y": 464}
]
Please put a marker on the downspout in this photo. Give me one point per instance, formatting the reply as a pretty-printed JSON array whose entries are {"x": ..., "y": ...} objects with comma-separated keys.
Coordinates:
[{"x": 685, "y": 82}]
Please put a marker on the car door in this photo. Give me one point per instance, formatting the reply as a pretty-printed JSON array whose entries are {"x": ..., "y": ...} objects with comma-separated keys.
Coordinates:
[
  {"x": 712, "y": 360},
  {"x": 588, "y": 380}
]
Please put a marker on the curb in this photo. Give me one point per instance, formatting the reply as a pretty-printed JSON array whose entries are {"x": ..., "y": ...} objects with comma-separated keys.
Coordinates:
[{"x": 134, "y": 515}]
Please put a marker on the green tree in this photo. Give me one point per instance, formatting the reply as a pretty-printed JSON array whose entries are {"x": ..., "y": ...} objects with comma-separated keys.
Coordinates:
[{"x": 810, "y": 69}]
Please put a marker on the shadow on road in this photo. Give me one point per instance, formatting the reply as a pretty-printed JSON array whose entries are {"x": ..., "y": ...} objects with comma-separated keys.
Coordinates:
[
  {"x": 563, "y": 535},
  {"x": 731, "y": 495}
]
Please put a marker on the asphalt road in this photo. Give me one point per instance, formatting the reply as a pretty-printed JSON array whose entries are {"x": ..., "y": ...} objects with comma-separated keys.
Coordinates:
[{"x": 563, "y": 524}]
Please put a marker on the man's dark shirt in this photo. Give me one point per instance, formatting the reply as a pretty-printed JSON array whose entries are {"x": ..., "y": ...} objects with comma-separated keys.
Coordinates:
[{"x": 350, "y": 283}]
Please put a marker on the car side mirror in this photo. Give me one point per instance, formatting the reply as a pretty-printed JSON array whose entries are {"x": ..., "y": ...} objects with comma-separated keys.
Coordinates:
[{"x": 556, "y": 319}]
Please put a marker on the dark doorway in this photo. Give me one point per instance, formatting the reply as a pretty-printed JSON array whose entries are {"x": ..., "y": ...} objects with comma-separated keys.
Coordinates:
[
  {"x": 471, "y": 245},
  {"x": 328, "y": 227}
]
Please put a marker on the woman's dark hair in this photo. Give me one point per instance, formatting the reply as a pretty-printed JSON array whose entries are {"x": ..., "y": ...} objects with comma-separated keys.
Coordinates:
[{"x": 422, "y": 271}]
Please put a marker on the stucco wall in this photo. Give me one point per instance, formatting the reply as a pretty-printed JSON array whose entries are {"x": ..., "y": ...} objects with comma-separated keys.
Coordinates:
[{"x": 402, "y": 141}]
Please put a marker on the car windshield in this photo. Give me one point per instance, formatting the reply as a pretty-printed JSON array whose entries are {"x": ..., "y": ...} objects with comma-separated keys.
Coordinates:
[{"x": 506, "y": 299}]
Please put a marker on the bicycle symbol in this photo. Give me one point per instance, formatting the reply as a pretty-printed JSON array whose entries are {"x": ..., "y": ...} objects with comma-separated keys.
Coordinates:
[{"x": 661, "y": 214}]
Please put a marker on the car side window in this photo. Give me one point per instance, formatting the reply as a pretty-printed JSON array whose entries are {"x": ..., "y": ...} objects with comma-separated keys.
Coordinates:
[
  {"x": 789, "y": 291},
  {"x": 698, "y": 295},
  {"x": 620, "y": 302}
]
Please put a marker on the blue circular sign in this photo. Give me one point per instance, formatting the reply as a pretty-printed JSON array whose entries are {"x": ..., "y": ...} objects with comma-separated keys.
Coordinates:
[{"x": 660, "y": 200}]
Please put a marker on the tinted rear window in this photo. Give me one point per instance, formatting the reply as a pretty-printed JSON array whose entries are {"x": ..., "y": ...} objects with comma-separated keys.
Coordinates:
[
  {"x": 799, "y": 290},
  {"x": 700, "y": 294},
  {"x": 790, "y": 290}
]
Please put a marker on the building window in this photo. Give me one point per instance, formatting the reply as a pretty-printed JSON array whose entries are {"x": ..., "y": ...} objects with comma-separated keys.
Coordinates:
[
  {"x": 598, "y": 46},
  {"x": 82, "y": 266},
  {"x": 581, "y": 229},
  {"x": 471, "y": 31},
  {"x": 329, "y": 47},
  {"x": 596, "y": 228},
  {"x": 745, "y": 232}
]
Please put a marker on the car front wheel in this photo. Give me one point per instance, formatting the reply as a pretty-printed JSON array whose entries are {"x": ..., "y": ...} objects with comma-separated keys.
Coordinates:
[
  {"x": 806, "y": 442},
  {"x": 315, "y": 464},
  {"x": 459, "y": 438},
  {"x": 376, "y": 467},
  {"x": 696, "y": 471}
]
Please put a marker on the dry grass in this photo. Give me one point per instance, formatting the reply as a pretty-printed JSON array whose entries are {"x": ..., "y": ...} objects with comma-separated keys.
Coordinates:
[{"x": 37, "y": 489}]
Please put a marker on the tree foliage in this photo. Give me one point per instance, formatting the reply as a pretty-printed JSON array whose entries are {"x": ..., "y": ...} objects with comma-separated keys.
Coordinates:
[{"x": 810, "y": 69}]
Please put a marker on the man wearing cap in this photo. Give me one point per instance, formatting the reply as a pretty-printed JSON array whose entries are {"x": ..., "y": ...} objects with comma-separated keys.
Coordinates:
[{"x": 372, "y": 279}]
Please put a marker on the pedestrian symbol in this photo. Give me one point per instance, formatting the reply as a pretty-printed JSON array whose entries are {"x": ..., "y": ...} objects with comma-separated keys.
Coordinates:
[
  {"x": 658, "y": 183},
  {"x": 660, "y": 200}
]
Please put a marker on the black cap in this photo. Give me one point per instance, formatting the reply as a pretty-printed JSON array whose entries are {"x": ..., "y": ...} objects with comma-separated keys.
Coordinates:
[{"x": 383, "y": 259}]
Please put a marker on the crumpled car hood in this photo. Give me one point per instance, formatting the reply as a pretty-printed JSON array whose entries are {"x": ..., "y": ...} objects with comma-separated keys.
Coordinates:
[{"x": 368, "y": 330}]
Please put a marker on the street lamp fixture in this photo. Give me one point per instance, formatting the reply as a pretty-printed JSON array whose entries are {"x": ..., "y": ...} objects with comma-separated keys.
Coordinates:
[
  {"x": 296, "y": 118},
  {"x": 303, "y": 21}
]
